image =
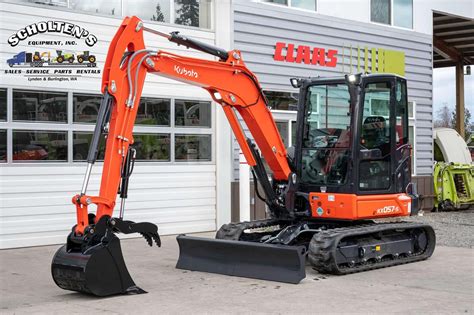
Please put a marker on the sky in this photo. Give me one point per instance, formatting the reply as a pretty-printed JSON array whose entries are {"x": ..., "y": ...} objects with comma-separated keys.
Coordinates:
[{"x": 444, "y": 89}]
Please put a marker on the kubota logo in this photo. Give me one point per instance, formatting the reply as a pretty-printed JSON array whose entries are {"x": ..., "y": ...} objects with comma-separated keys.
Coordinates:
[
  {"x": 388, "y": 209},
  {"x": 185, "y": 72}
]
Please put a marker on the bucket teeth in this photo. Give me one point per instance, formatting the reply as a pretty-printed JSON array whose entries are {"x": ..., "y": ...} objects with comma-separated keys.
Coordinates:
[
  {"x": 150, "y": 237},
  {"x": 157, "y": 239},
  {"x": 147, "y": 238}
]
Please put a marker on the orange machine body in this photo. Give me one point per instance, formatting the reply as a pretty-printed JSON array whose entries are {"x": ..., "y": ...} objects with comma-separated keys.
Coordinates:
[{"x": 354, "y": 207}]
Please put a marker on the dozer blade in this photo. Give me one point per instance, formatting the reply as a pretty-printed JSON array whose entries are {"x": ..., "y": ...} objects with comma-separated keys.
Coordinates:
[
  {"x": 243, "y": 259},
  {"x": 100, "y": 270}
]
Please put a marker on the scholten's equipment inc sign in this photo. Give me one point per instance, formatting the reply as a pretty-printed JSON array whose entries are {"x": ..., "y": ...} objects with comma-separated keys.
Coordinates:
[
  {"x": 52, "y": 51},
  {"x": 65, "y": 28}
]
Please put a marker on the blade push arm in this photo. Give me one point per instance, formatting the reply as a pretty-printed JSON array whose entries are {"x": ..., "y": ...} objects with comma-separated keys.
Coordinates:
[{"x": 229, "y": 82}]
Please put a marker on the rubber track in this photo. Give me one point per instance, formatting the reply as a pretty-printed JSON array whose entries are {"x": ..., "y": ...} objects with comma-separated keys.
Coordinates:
[
  {"x": 233, "y": 231},
  {"x": 323, "y": 247}
]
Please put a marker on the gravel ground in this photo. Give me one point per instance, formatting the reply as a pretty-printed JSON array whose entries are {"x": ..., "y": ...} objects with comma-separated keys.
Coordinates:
[{"x": 453, "y": 228}]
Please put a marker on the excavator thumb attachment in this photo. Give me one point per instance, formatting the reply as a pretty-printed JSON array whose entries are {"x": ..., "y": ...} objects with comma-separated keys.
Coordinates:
[
  {"x": 243, "y": 259},
  {"x": 94, "y": 263}
]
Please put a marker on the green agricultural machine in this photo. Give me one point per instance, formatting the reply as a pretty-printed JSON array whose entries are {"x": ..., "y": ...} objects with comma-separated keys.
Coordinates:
[
  {"x": 64, "y": 57},
  {"x": 453, "y": 171}
]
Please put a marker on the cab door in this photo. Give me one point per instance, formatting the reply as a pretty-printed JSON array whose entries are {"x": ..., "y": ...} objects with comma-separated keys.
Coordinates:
[{"x": 376, "y": 137}]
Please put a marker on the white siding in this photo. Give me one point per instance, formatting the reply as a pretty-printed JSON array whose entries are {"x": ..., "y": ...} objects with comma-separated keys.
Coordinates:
[{"x": 36, "y": 207}]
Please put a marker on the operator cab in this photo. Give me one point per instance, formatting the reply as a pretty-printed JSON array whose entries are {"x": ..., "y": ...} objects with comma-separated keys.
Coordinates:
[{"x": 353, "y": 135}]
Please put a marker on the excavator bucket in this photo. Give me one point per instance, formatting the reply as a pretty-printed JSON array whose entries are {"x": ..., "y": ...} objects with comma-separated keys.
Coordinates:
[
  {"x": 94, "y": 263},
  {"x": 99, "y": 270},
  {"x": 243, "y": 259}
]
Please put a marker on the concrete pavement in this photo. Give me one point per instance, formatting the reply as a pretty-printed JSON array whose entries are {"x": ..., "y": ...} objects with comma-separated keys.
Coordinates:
[{"x": 442, "y": 284}]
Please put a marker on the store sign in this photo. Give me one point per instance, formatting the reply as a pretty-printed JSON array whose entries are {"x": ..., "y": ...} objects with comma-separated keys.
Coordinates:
[
  {"x": 52, "y": 51},
  {"x": 55, "y": 27},
  {"x": 305, "y": 54}
]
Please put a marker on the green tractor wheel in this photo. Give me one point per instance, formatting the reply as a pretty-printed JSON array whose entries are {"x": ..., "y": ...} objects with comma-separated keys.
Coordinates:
[
  {"x": 80, "y": 59},
  {"x": 60, "y": 59},
  {"x": 71, "y": 59},
  {"x": 91, "y": 59}
]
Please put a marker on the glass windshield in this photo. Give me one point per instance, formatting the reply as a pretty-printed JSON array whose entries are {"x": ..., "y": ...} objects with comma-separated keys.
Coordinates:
[{"x": 327, "y": 134}]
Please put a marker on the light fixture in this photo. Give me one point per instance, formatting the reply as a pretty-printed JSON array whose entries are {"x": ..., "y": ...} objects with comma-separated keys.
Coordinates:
[
  {"x": 468, "y": 70},
  {"x": 217, "y": 96},
  {"x": 296, "y": 83},
  {"x": 353, "y": 78}
]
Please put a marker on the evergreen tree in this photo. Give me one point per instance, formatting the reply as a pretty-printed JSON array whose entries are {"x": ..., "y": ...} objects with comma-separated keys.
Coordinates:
[
  {"x": 159, "y": 17},
  {"x": 187, "y": 12},
  {"x": 467, "y": 122}
]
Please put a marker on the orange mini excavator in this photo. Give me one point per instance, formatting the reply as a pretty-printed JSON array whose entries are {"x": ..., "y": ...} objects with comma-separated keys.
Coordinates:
[{"x": 351, "y": 164}]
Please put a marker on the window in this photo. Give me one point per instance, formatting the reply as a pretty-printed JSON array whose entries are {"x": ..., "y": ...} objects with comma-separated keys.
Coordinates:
[
  {"x": 3, "y": 104},
  {"x": 403, "y": 13},
  {"x": 392, "y": 12},
  {"x": 282, "y": 100},
  {"x": 157, "y": 137},
  {"x": 3, "y": 145},
  {"x": 326, "y": 138},
  {"x": 411, "y": 140},
  {"x": 411, "y": 109},
  {"x": 192, "y": 113},
  {"x": 374, "y": 172},
  {"x": 86, "y": 107},
  {"x": 284, "y": 2},
  {"x": 283, "y": 130},
  {"x": 153, "y": 111},
  {"x": 401, "y": 110},
  {"x": 380, "y": 11},
  {"x": 154, "y": 147},
  {"x": 39, "y": 106},
  {"x": 35, "y": 145},
  {"x": 193, "y": 147},
  {"x": 80, "y": 147},
  {"x": 193, "y": 13},
  {"x": 158, "y": 10},
  {"x": 56, "y": 3},
  {"x": 109, "y": 7},
  {"x": 302, "y": 4},
  {"x": 196, "y": 13},
  {"x": 293, "y": 133}
]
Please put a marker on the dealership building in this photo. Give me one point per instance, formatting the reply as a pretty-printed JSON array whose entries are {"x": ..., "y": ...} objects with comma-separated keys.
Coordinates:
[{"x": 187, "y": 171}]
